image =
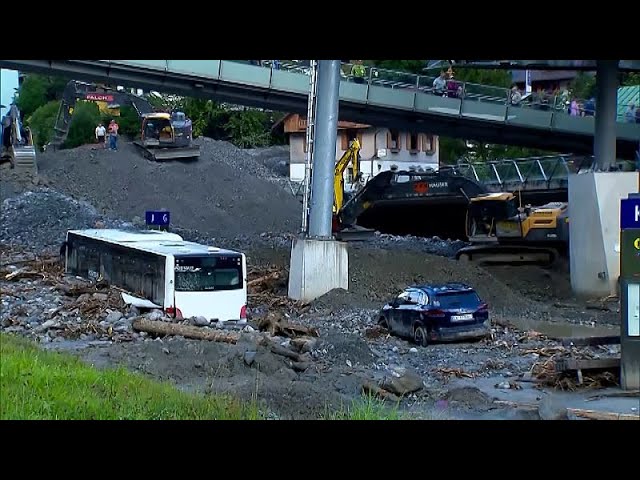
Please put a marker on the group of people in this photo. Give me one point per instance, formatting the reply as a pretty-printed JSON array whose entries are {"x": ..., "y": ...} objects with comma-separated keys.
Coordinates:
[
  {"x": 632, "y": 114},
  {"x": 111, "y": 131}
]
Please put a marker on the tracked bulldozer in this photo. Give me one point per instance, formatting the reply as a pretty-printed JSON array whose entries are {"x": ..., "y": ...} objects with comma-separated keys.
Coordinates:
[
  {"x": 500, "y": 230},
  {"x": 17, "y": 143}
]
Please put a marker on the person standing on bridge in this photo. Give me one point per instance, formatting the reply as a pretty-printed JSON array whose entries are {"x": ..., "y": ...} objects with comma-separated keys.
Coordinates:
[
  {"x": 631, "y": 113},
  {"x": 113, "y": 135},
  {"x": 358, "y": 71}
]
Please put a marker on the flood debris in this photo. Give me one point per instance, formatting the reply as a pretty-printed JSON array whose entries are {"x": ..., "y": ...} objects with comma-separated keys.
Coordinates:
[
  {"x": 276, "y": 324},
  {"x": 569, "y": 368},
  {"x": 187, "y": 331},
  {"x": 598, "y": 415}
]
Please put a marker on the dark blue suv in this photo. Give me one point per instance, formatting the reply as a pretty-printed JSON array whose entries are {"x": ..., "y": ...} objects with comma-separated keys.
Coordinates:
[{"x": 444, "y": 312}]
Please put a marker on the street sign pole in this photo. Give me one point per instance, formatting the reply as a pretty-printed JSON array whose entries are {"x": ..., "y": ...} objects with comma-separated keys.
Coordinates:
[{"x": 630, "y": 292}]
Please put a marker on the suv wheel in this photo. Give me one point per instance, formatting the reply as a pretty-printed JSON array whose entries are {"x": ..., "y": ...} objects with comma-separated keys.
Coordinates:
[
  {"x": 383, "y": 323},
  {"x": 420, "y": 336}
]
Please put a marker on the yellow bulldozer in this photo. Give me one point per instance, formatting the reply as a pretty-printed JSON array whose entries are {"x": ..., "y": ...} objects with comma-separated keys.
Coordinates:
[{"x": 501, "y": 230}]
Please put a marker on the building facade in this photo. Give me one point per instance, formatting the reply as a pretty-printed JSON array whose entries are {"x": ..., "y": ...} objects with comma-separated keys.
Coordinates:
[{"x": 381, "y": 149}]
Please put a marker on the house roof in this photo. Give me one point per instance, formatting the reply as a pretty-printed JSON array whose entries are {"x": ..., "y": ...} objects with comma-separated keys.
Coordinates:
[{"x": 294, "y": 122}]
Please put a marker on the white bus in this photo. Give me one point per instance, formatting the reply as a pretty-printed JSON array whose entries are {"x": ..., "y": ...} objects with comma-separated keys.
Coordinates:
[{"x": 161, "y": 270}]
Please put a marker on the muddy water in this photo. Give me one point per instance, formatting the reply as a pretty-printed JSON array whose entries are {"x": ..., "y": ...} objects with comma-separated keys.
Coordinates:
[{"x": 565, "y": 329}]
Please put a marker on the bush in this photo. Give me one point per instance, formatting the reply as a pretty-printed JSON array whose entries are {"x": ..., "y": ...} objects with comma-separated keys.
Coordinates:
[
  {"x": 249, "y": 129},
  {"x": 42, "y": 122},
  {"x": 128, "y": 121},
  {"x": 86, "y": 116}
]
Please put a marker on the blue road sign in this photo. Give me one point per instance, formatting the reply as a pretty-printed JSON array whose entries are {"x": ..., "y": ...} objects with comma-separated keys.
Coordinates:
[
  {"x": 629, "y": 213},
  {"x": 159, "y": 218}
]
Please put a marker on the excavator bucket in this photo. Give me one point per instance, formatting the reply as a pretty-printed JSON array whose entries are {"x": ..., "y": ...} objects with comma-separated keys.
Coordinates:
[{"x": 24, "y": 159}]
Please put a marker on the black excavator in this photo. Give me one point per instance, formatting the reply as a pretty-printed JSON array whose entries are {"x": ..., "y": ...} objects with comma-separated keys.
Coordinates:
[
  {"x": 165, "y": 136},
  {"x": 408, "y": 202}
]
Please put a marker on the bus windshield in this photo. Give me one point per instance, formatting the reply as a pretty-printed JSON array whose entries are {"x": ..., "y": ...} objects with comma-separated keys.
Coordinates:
[{"x": 208, "y": 273}]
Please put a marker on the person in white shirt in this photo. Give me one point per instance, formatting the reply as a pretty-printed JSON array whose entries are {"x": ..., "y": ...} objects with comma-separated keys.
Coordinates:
[{"x": 101, "y": 133}]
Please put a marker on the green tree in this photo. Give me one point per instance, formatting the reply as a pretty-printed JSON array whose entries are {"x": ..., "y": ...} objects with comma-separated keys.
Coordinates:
[
  {"x": 128, "y": 121},
  {"x": 41, "y": 123},
  {"x": 37, "y": 90},
  {"x": 86, "y": 116},
  {"x": 248, "y": 129},
  {"x": 630, "y": 79},
  {"x": 583, "y": 86}
]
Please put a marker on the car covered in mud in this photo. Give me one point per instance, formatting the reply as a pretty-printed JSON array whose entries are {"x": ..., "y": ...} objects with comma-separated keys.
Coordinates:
[{"x": 436, "y": 312}]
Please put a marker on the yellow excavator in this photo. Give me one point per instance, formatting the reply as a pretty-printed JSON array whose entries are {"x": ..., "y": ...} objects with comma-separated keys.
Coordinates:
[
  {"x": 352, "y": 155},
  {"x": 501, "y": 230}
]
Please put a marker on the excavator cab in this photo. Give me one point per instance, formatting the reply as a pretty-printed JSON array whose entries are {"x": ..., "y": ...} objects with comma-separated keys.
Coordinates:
[{"x": 166, "y": 130}]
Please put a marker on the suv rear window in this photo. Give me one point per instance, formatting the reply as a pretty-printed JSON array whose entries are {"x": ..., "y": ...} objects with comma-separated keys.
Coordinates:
[{"x": 458, "y": 300}]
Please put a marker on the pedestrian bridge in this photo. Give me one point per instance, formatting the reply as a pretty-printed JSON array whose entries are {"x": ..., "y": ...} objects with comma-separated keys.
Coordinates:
[
  {"x": 528, "y": 174},
  {"x": 384, "y": 98}
]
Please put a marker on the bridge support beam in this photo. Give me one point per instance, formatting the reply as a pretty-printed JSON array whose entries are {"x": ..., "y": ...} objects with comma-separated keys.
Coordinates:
[
  {"x": 318, "y": 262},
  {"x": 594, "y": 200},
  {"x": 604, "y": 140}
]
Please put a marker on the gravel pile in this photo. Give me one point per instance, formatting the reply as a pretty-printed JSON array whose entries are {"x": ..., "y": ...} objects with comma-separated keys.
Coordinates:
[
  {"x": 224, "y": 194},
  {"x": 41, "y": 218}
]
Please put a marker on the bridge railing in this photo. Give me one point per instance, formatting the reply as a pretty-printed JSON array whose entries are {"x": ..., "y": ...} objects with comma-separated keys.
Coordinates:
[
  {"x": 535, "y": 173},
  {"x": 464, "y": 91}
]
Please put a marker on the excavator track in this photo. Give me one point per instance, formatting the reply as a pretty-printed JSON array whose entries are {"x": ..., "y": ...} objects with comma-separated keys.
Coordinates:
[
  {"x": 175, "y": 153},
  {"x": 507, "y": 254}
]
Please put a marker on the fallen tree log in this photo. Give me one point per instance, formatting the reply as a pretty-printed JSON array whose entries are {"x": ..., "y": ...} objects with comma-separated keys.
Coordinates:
[
  {"x": 285, "y": 352},
  {"x": 18, "y": 274},
  {"x": 370, "y": 388},
  {"x": 275, "y": 324},
  {"x": 596, "y": 415},
  {"x": 263, "y": 279},
  {"x": 187, "y": 331}
]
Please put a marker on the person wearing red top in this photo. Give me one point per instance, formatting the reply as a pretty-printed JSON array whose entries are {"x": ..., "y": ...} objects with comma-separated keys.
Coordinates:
[{"x": 113, "y": 135}]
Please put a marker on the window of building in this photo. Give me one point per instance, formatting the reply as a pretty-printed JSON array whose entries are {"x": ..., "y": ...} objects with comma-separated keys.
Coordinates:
[
  {"x": 412, "y": 142},
  {"x": 427, "y": 143},
  {"x": 393, "y": 140},
  {"x": 346, "y": 136}
]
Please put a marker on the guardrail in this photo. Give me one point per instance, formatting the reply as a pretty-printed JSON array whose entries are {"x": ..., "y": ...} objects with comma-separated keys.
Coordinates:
[
  {"x": 533, "y": 173},
  {"x": 464, "y": 91}
]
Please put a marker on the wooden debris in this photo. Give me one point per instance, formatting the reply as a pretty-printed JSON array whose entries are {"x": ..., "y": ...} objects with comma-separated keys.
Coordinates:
[
  {"x": 276, "y": 324},
  {"x": 285, "y": 352},
  {"x": 546, "y": 351},
  {"x": 263, "y": 282},
  {"x": 187, "y": 331},
  {"x": 531, "y": 335},
  {"x": 568, "y": 364},
  {"x": 22, "y": 273},
  {"x": 630, "y": 393},
  {"x": 591, "y": 341},
  {"x": 596, "y": 415},
  {"x": 370, "y": 388},
  {"x": 456, "y": 372}
]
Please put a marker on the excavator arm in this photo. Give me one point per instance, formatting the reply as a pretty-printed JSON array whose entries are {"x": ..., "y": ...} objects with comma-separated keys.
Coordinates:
[
  {"x": 75, "y": 91},
  {"x": 351, "y": 155}
]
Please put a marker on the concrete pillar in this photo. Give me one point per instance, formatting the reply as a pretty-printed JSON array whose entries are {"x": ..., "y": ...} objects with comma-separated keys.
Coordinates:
[
  {"x": 604, "y": 140},
  {"x": 324, "y": 151},
  {"x": 318, "y": 263}
]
